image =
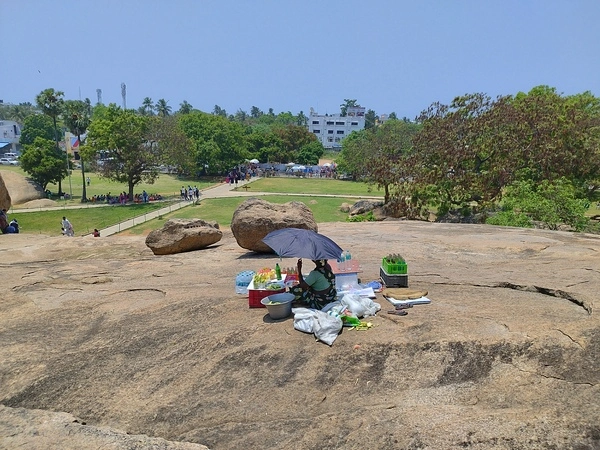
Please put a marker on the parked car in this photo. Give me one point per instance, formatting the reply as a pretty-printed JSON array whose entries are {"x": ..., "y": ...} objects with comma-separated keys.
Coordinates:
[{"x": 9, "y": 162}]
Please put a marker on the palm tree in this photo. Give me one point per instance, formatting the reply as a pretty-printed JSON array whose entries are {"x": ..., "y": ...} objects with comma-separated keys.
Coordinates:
[
  {"x": 148, "y": 106},
  {"x": 77, "y": 118},
  {"x": 51, "y": 103},
  {"x": 185, "y": 108},
  {"x": 162, "y": 109}
]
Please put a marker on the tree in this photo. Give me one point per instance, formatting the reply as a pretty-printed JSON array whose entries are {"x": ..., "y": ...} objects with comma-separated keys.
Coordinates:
[
  {"x": 301, "y": 119},
  {"x": 176, "y": 149},
  {"x": 255, "y": 112},
  {"x": 37, "y": 125},
  {"x": 17, "y": 113},
  {"x": 219, "y": 142},
  {"x": 77, "y": 118},
  {"x": 241, "y": 116},
  {"x": 42, "y": 162},
  {"x": 292, "y": 138},
  {"x": 162, "y": 108},
  {"x": 310, "y": 153},
  {"x": 348, "y": 103},
  {"x": 51, "y": 103},
  {"x": 218, "y": 111},
  {"x": 370, "y": 119},
  {"x": 131, "y": 157},
  {"x": 147, "y": 108},
  {"x": 185, "y": 108}
]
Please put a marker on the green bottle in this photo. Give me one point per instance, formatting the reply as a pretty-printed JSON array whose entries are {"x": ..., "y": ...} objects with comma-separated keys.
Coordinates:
[{"x": 278, "y": 271}]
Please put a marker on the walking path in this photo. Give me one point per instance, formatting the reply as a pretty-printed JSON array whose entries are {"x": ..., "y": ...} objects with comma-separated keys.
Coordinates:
[{"x": 217, "y": 191}]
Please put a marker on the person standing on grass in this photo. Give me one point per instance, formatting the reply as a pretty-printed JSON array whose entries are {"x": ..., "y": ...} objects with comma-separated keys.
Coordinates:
[{"x": 67, "y": 227}]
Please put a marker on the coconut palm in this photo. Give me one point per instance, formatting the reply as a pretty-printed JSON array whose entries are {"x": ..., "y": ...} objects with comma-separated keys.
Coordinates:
[
  {"x": 77, "y": 119},
  {"x": 51, "y": 103},
  {"x": 185, "y": 108},
  {"x": 162, "y": 109},
  {"x": 147, "y": 107}
]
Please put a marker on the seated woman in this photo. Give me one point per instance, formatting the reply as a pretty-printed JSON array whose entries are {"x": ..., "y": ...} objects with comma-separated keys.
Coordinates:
[{"x": 318, "y": 288}]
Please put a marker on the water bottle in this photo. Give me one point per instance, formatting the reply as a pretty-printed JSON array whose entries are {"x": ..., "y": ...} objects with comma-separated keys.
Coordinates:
[
  {"x": 348, "y": 262},
  {"x": 342, "y": 262},
  {"x": 278, "y": 271}
]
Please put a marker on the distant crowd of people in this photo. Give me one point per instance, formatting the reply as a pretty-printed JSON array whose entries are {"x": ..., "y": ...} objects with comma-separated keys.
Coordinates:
[{"x": 123, "y": 198}]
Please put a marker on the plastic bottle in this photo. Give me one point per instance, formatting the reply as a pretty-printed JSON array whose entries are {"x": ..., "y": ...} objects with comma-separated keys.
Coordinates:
[
  {"x": 348, "y": 261},
  {"x": 342, "y": 262},
  {"x": 278, "y": 271}
]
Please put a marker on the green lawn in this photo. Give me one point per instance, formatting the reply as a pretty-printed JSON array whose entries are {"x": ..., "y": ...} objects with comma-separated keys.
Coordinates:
[
  {"x": 324, "y": 209},
  {"x": 166, "y": 185},
  {"x": 293, "y": 185},
  {"x": 84, "y": 220}
]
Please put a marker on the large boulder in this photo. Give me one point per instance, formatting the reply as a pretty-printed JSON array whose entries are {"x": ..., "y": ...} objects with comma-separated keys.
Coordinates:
[
  {"x": 20, "y": 189},
  {"x": 5, "y": 201},
  {"x": 183, "y": 235},
  {"x": 255, "y": 218}
]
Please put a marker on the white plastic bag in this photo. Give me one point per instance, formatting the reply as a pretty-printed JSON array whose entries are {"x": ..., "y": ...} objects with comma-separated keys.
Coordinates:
[
  {"x": 324, "y": 326},
  {"x": 360, "y": 306}
]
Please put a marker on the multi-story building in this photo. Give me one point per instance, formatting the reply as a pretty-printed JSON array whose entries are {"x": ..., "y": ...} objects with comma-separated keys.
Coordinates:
[
  {"x": 332, "y": 129},
  {"x": 10, "y": 133}
]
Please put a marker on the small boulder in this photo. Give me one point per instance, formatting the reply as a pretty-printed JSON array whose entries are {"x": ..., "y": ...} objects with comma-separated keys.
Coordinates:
[
  {"x": 183, "y": 235},
  {"x": 364, "y": 206},
  {"x": 255, "y": 218}
]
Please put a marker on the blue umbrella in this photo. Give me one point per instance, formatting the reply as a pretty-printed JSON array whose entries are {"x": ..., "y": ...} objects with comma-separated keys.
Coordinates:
[{"x": 300, "y": 243}]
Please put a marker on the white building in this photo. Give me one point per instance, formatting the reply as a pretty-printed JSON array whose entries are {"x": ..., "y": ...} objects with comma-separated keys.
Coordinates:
[
  {"x": 10, "y": 133},
  {"x": 330, "y": 130}
]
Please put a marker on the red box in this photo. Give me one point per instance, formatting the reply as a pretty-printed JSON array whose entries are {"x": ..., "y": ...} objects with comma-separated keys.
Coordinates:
[{"x": 256, "y": 295}]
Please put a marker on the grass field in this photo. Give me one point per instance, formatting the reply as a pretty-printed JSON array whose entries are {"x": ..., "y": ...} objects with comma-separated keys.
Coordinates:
[{"x": 324, "y": 209}]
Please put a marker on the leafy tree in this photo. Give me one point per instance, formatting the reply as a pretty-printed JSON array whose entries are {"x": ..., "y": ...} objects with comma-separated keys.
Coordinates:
[
  {"x": 77, "y": 118},
  {"x": 176, "y": 149},
  {"x": 51, "y": 103},
  {"x": 37, "y": 125},
  {"x": 219, "y": 143},
  {"x": 301, "y": 119},
  {"x": 132, "y": 157},
  {"x": 240, "y": 116},
  {"x": 292, "y": 138},
  {"x": 42, "y": 162},
  {"x": 392, "y": 116},
  {"x": 379, "y": 156},
  {"x": 185, "y": 108},
  {"x": 263, "y": 144},
  {"x": 17, "y": 113},
  {"x": 162, "y": 108},
  {"x": 348, "y": 103},
  {"x": 255, "y": 112},
  {"x": 552, "y": 203},
  {"x": 370, "y": 119},
  {"x": 218, "y": 111},
  {"x": 310, "y": 153}
]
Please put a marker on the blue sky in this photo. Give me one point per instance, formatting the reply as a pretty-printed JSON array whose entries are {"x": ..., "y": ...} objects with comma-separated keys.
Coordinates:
[{"x": 390, "y": 55}]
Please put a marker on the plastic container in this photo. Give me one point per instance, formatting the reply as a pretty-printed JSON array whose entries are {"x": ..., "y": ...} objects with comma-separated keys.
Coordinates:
[
  {"x": 346, "y": 281},
  {"x": 256, "y": 295},
  {"x": 242, "y": 281},
  {"x": 279, "y": 305},
  {"x": 397, "y": 268}
]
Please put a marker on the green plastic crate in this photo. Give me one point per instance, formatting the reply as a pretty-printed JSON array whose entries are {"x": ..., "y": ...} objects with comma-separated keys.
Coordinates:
[{"x": 396, "y": 268}]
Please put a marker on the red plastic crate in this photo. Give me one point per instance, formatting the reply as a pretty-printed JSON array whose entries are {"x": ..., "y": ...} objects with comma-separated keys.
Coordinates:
[{"x": 256, "y": 295}]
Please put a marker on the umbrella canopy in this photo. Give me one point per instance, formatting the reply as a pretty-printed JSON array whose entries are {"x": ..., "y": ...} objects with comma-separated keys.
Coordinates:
[
  {"x": 254, "y": 161},
  {"x": 300, "y": 243},
  {"x": 297, "y": 168},
  {"x": 327, "y": 165}
]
